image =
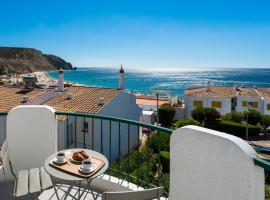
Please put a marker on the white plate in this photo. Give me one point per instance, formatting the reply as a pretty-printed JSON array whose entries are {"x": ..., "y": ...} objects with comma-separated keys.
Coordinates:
[
  {"x": 56, "y": 161},
  {"x": 87, "y": 171}
]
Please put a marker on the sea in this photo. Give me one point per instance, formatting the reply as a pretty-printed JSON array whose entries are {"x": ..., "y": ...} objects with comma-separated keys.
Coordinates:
[{"x": 172, "y": 81}]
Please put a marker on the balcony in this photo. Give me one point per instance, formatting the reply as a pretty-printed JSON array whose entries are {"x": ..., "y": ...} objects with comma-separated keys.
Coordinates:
[{"x": 203, "y": 163}]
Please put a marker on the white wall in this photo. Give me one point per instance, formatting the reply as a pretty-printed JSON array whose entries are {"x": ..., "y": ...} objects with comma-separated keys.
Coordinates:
[
  {"x": 240, "y": 108},
  {"x": 207, "y": 102},
  {"x": 179, "y": 113},
  {"x": 265, "y": 111},
  {"x": 207, "y": 164}
]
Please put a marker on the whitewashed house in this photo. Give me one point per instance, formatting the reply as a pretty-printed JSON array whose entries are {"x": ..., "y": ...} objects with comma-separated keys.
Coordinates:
[
  {"x": 227, "y": 99},
  {"x": 220, "y": 98}
]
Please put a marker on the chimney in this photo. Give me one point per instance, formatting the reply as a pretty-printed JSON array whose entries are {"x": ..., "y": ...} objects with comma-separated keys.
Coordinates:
[
  {"x": 101, "y": 101},
  {"x": 60, "y": 80},
  {"x": 69, "y": 96},
  {"x": 208, "y": 86},
  {"x": 25, "y": 99},
  {"x": 121, "y": 78}
]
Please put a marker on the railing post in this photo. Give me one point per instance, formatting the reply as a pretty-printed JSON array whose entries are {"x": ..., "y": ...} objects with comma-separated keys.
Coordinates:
[
  {"x": 67, "y": 145},
  {"x": 101, "y": 136},
  {"x": 84, "y": 144},
  {"x": 128, "y": 150},
  {"x": 93, "y": 137},
  {"x": 119, "y": 145},
  {"x": 159, "y": 168},
  {"x": 110, "y": 159},
  {"x": 148, "y": 159},
  {"x": 75, "y": 131}
]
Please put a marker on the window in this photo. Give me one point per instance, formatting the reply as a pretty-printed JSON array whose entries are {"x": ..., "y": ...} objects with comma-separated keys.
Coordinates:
[
  {"x": 216, "y": 104},
  {"x": 253, "y": 104},
  {"x": 197, "y": 103},
  {"x": 85, "y": 127},
  {"x": 268, "y": 106}
]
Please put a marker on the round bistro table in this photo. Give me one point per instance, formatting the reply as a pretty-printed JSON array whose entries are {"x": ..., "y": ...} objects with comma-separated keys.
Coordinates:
[{"x": 65, "y": 177}]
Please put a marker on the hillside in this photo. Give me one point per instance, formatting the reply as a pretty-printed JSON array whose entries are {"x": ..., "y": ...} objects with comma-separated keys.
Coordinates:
[{"x": 25, "y": 60}]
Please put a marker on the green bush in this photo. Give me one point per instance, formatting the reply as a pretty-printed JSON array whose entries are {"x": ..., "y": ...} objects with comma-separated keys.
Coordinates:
[
  {"x": 211, "y": 116},
  {"x": 254, "y": 116},
  {"x": 164, "y": 142},
  {"x": 184, "y": 122},
  {"x": 165, "y": 114},
  {"x": 206, "y": 116},
  {"x": 237, "y": 129},
  {"x": 233, "y": 116},
  {"x": 267, "y": 192},
  {"x": 165, "y": 161},
  {"x": 198, "y": 114},
  {"x": 265, "y": 122}
]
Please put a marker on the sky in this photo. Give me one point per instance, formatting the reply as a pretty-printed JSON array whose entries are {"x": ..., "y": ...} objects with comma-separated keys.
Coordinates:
[{"x": 142, "y": 33}]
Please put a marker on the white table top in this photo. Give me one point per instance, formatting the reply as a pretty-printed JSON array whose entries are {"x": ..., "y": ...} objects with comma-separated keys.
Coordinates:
[{"x": 56, "y": 173}]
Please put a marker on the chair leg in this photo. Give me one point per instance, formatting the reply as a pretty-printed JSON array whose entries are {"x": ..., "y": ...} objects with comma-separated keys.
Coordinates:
[{"x": 56, "y": 193}]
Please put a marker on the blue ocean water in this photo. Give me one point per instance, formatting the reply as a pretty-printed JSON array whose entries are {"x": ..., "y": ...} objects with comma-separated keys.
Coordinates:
[{"x": 174, "y": 81}]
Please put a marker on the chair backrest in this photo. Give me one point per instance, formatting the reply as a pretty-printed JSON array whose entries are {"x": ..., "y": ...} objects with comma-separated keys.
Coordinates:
[
  {"x": 207, "y": 164},
  {"x": 7, "y": 167},
  {"x": 147, "y": 194},
  {"x": 3, "y": 149},
  {"x": 31, "y": 136}
]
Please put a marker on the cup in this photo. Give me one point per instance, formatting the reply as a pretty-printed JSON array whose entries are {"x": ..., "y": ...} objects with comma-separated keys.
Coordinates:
[
  {"x": 60, "y": 157},
  {"x": 86, "y": 164}
]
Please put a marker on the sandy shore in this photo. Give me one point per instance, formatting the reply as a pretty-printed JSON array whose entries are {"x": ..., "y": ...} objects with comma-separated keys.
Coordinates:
[{"x": 42, "y": 77}]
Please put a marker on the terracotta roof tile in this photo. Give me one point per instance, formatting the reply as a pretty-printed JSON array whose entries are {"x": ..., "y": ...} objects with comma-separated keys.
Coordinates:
[
  {"x": 84, "y": 99},
  {"x": 214, "y": 91},
  {"x": 12, "y": 97}
]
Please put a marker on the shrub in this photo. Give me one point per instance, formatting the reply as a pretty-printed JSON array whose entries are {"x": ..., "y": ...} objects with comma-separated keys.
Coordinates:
[
  {"x": 206, "y": 116},
  {"x": 165, "y": 114},
  {"x": 198, "y": 114},
  {"x": 254, "y": 116},
  {"x": 164, "y": 142},
  {"x": 184, "y": 122},
  {"x": 237, "y": 129},
  {"x": 211, "y": 115},
  {"x": 234, "y": 116},
  {"x": 165, "y": 161},
  {"x": 265, "y": 122}
]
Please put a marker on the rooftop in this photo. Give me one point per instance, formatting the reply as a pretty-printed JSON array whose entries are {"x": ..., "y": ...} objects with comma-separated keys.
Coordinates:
[
  {"x": 84, "y": 99},
  {"x": 220, "y": 91},
  {"x": 214, "y": 91}
]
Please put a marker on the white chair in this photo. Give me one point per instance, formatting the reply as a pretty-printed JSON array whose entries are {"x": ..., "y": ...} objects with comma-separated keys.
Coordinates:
[
  {"x": 27, "y": 182},
  {"x": 154, "y": 193}
]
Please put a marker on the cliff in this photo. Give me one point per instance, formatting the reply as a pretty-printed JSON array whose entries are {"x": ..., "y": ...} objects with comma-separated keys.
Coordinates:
[{"x": 26, "y": 60}]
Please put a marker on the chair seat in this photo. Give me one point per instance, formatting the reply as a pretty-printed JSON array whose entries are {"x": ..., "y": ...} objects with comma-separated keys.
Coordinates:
[
  {"x": 32, "y": 181},
  {"x": 100, "y": 185},
  {"x": 22, "y": 183}
]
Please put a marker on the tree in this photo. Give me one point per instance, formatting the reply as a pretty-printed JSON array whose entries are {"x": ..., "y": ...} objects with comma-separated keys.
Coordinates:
[
  {"x": 233, "y": 116},
  {"x": 206, "y": 116},
  {"x": 253, "y": 116},
  {"x": 211, "y": 116},
  {"x": 198, "y": 114},
  {"x": 165, "y": 114},
  {"x": 265, "y": 123}
]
